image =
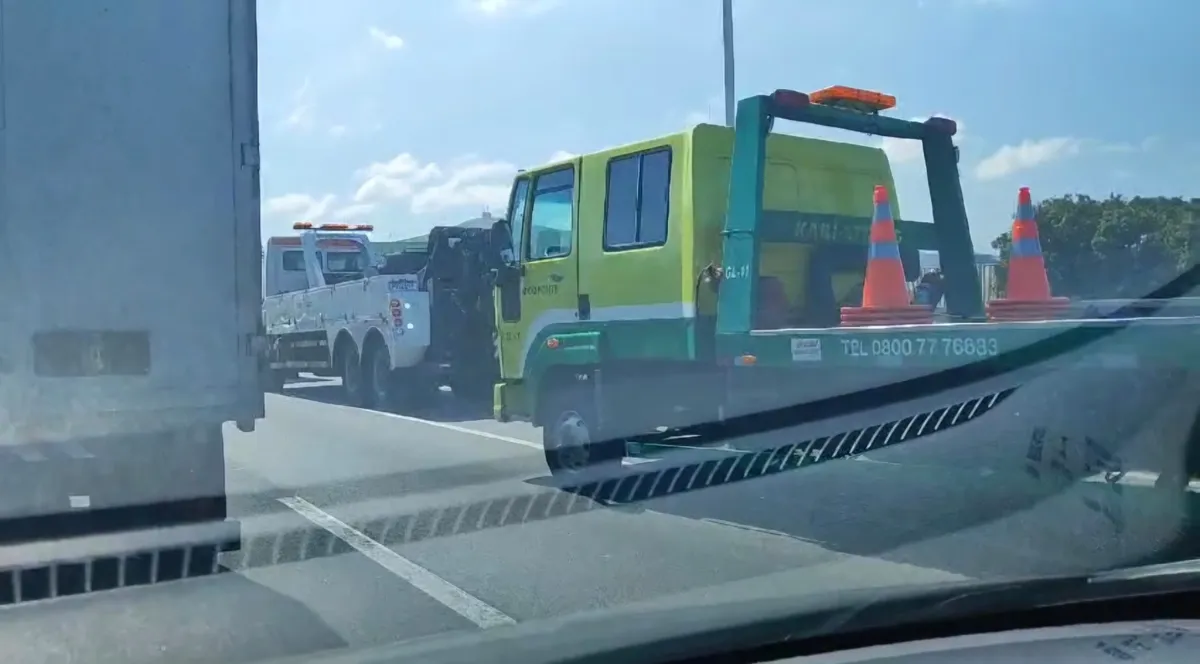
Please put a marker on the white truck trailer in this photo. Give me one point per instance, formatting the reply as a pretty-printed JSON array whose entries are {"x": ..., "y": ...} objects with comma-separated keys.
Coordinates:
[{"x": 129, "y": 265}]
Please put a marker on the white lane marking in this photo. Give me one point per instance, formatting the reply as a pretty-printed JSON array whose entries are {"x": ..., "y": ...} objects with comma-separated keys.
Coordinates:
[
  {"x": 447, "y": 426},
  {"x": 449, "y": 595},
  {"x": 1141, "y": 479},
  {"x": 29, "y": 454},
  {"x": 76, "y": 451}
]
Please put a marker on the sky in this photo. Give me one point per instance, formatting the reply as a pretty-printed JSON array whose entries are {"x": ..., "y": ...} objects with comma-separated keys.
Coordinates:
[{"x": 406, "y": 114}]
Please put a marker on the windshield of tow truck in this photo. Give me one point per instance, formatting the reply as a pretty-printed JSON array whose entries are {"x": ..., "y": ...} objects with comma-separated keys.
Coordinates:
[{"x": 344, "y": 261}]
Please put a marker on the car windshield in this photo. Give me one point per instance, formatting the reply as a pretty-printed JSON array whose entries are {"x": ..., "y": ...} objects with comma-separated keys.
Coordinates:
[{"x": 629, "y": 322}]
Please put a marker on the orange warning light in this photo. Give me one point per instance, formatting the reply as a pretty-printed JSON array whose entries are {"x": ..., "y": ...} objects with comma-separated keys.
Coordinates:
[{"x": 864, "y": 101}]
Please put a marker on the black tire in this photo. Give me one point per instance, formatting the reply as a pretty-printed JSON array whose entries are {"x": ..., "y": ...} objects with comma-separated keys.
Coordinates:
[
  {"x": 472, "y": 388},
  {"x": 572, "y": 440},
  {"x": 379, "y": 388},
  {"x": 350, "y": 369},
  {"x": 416, "y": 393},
  {"x": 275, "y": 380}
]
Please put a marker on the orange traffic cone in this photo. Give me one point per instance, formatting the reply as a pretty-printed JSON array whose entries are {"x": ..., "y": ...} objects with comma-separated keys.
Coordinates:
[
  {"x": 885, "y": 295},
  {"x": 1028, "y": 289}
]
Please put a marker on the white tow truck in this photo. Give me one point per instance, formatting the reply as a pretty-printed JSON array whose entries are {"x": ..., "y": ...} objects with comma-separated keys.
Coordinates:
[
  {"x": 126, "y": 126},
  {"x": 393, "y": 330}
]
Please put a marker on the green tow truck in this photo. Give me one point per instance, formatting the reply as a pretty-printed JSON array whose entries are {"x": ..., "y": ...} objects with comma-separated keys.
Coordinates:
[{"x": 684, "y": 291}]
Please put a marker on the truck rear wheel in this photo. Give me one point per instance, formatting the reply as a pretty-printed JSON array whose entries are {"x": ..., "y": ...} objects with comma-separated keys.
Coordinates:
[
  {"x": 277, "y": 379},
  {"x": 572, "y": 439},
  {"x": 350, "y": 370},
  {"x": 380, "y": 390},
  {"x": 414, "y": 389}
]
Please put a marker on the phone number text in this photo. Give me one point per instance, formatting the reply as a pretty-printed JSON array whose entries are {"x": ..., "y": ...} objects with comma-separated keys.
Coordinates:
[{"x": 922, "y": 347}]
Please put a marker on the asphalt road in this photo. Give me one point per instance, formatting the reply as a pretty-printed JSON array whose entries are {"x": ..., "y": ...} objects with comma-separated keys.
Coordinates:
[{"x": 368, "y": 528}]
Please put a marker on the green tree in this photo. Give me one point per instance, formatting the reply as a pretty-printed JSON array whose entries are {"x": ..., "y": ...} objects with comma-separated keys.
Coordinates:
[{"x": 1112, "y": 248}]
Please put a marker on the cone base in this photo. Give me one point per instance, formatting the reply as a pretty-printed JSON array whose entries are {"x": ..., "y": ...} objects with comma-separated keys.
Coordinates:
[
  {"x": 913, "y": 314},
  {"x": 1009, "y": 302},
  {"x": 1028, "y": 310},
  {"x": 1028, "y": 315}
]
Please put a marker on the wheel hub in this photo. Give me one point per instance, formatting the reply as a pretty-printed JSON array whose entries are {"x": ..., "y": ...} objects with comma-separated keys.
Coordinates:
[
  {"x": 573, "y": 440},
  {"x": 350, "y": 378},
  {"x": 381, "y": 373}
]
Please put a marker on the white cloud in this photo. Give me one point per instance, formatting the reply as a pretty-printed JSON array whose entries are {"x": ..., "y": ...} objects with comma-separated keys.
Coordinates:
[
  {"x": 1032, "y": 153},
  {"x": 901, "y": 151},
  {"x": 478, "y": 184},
  {"x": 696, "y": 117},
  {"x": 561, "y": 155},
  {"x": 300, "y": 207},
  {"x": 429, "y": 187},
  {"x": 353, "y": 211},
  {"x": 337, "y": 131},
  {"x": 387, "y": 40},
  {"x": 941, "y": 4},
  {"x": 1029, "y": 154},
  {"x": 301, "y": 117},
  {"x": 394, "y": 179},
  {"x": 497, "y": 7},
  {"x": 1145, "y": 145},
  {"x": 713, "y": 111}
]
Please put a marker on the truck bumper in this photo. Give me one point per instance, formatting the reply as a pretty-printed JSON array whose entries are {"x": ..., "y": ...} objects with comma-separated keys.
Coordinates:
[{"x": 500, "y": 401}]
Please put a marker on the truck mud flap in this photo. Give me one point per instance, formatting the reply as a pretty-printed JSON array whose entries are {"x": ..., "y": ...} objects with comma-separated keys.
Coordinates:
[{"x": 40, "y": 571}]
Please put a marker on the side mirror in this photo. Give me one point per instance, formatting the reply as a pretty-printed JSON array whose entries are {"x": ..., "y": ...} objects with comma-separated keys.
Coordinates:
[
  {"x": 502, "y": 243},
  {"x": 507, "y": 270}
]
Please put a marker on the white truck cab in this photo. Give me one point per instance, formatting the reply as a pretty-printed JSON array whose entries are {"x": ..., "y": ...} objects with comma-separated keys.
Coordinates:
[{"x": 336, "y": 253}]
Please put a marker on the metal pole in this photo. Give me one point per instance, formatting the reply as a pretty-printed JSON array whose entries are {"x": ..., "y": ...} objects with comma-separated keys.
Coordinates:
[{"x": 727, "y": 31}]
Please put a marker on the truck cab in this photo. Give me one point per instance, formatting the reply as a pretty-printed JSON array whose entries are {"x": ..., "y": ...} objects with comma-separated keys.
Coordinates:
[
  {"x": 658, "y": 264},
  {"x": 339, "y": 252}
]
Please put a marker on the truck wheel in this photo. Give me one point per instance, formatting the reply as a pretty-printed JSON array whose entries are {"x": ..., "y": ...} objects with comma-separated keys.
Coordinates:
[
  {"x": 352, "y": 377},
  {"x": 471, "y": 388},
  {"x": 380, "y": 389},
  {"x": 276, "y": 378},
  {"x": 571, "y": 432}
]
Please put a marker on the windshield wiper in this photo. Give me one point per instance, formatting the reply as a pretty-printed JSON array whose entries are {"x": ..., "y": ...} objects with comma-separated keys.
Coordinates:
[{"x": 1129, "y": 594}]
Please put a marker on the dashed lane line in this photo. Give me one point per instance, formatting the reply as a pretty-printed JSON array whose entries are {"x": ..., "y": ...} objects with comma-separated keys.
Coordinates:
[
  {"x": 449, "y": 595},
  {"x": 447, "y": 426}
]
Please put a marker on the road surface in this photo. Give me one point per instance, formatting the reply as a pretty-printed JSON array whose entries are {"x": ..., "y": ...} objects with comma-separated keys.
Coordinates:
[{"x": 368, "y": 528}]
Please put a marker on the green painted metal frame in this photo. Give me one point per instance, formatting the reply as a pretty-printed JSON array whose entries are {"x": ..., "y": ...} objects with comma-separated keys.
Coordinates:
[{"x": 746, "y": 221}]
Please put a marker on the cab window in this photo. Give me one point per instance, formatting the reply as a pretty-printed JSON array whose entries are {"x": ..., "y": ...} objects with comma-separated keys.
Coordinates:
[
  {"x": 293, "y": 261},
  {"x": 516, "y": 212},
  {"x": 552, "y": 217},
  {"x": 344, "y": 261},
  {"x": 637, "y": 200}
]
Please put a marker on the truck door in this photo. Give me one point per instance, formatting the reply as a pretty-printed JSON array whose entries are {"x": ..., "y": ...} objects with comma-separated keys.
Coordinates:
[{"x": 542, "y": 215}]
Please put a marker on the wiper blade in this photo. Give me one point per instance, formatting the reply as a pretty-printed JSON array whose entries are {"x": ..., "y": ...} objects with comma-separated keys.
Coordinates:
[
  {"x": 1166, "y": 571},
  {"x": 959, "y": 601}
]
